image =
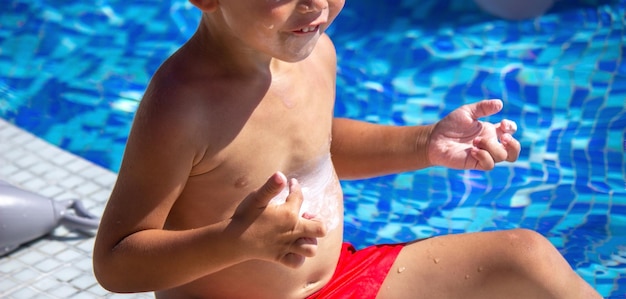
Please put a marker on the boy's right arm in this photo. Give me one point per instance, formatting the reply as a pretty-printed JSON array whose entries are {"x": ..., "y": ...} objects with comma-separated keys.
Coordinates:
[
  {"x": 134, "y": 253},
  {"x": 155, "y": 259}
]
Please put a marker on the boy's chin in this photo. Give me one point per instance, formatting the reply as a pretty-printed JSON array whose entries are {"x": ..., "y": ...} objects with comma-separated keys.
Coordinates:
[
  {"x": 298, "y": 51},
  {"x": 294, "y": 60},
  {"x": 298, "y": 56}
]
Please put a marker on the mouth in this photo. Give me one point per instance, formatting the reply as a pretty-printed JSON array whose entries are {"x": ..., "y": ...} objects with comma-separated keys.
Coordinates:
[{"x": 308, "y": 29}]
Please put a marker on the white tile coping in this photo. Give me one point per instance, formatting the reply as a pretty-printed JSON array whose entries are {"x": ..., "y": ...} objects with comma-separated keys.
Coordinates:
[{"x": 59, "y": 265}]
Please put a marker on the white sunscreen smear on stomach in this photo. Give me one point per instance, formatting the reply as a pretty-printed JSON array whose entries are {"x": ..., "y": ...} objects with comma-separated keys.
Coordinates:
[{"x": 321, "y": 192}]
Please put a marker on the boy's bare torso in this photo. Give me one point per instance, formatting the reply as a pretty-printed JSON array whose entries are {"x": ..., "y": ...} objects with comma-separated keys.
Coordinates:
[{"x": 253, "y": 129}]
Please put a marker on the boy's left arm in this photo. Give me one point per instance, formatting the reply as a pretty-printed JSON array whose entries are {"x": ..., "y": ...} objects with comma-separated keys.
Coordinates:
[{"x": 460, "y": 141}]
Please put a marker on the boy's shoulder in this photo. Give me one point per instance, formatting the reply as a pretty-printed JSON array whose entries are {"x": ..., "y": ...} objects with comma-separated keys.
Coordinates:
[
  {"x": 180, "y": 82},
  {"x": 184, "y": 82}
]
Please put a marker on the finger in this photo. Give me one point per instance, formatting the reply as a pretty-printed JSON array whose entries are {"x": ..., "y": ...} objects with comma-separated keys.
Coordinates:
[
  {"x": 294, "y": 199},
  {"x": 484, "y": 161},
  {"x": 307, "y": 215},
  {"x": 512, "y": 146},
  {"x": 495, "y": 149},
  {"x": 506, "y": 127},
  {"x": 311, "y": 228},
  {"x": 484, "y": 108},
  {"x": 270, "y": 189},
  {"x": 292, "y": 260},
  {"x": 306, "y": 247}
]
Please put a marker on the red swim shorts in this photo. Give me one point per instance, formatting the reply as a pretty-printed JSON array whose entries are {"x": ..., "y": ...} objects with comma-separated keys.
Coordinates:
[{"x": 360, "y": 273}]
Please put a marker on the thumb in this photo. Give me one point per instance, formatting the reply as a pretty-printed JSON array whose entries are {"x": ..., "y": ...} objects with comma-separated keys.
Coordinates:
[
  {"x": 272, "y": 187},
  {"x": 484, "y": 108}
]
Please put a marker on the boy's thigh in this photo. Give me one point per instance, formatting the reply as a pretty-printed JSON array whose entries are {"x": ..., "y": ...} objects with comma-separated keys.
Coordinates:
[{"x": 455, "y": 266}]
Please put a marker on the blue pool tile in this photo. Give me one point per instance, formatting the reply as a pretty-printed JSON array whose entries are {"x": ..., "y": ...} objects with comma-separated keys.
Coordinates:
[
  {"x": 443, "y": 44},
  {"x": 607, "y": 66},
  {"x": 579, "y": 96},
  {"x": 553, "y": 177},
  {"x": 600, "y": 81},
  {"x": 405, "y": 234},
  {"x": 619, "y": 209}
]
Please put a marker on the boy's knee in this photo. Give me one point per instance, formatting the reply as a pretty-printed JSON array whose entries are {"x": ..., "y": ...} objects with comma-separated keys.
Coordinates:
[
  {"x": 528, "y": 245},
  {"x": 525, "y": 237},
  {"x": 527, "y": 261}
]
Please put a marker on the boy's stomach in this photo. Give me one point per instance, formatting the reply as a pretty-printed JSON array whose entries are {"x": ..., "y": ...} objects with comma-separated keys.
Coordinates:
[{"x": 264, "y": 279}]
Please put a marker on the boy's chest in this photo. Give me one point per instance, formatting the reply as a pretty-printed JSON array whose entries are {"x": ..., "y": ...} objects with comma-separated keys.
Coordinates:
[
  {"x": 294, "y": 118},
  {"x": 287, "y": 131},
  {"x": 294, "y": 144}
]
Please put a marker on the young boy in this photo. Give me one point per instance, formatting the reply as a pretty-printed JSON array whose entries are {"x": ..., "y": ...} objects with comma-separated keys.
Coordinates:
[{"x": 250, "y": 97}]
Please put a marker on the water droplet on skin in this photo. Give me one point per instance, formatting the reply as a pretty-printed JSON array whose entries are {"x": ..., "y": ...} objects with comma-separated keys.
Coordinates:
[{"x": 401, "y": 269}]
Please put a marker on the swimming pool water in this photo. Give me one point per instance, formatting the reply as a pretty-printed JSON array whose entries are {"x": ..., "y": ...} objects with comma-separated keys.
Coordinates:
[{"x": 72, "y": 73}]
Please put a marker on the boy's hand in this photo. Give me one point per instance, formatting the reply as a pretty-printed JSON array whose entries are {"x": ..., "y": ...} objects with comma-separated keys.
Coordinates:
[
  {"x": 461, "y": 141},
  {"x": 277, "y": 232}
]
